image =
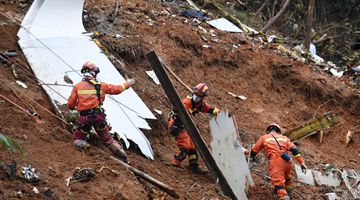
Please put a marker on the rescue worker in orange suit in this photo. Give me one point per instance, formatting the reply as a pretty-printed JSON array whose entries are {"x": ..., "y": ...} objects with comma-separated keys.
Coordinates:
[
  {"x": 276, "y": 147},
  {"x": 87, "y": 97},
  {"x": 194, "y": 104}
]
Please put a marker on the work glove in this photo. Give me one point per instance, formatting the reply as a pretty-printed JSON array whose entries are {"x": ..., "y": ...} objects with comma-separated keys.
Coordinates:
[
  {"x": 216, "y": 112},
  {"x": 131, "y": 81},
  {"x": 303, "y": 168}
]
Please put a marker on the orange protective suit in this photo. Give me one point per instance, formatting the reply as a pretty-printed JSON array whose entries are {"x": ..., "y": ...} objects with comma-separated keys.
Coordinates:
[
  {"x": 183, "y": 140},
  {"x": 84, "y": 97},
  {"x": 279, "y": 168}
]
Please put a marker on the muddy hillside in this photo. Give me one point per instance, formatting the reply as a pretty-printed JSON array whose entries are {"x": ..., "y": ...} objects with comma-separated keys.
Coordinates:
[{"x": 278, "y": 89}]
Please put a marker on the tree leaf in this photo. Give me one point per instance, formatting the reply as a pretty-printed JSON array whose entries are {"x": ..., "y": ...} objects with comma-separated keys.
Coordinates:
[
  {"x": 4, "y": 141},
  {"x": 11, "y": 145}
]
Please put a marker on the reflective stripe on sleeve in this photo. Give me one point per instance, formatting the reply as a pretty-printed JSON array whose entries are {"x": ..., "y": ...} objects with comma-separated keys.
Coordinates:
[
  {"x": 123, "y": 86},
  {"x": 297, "y": 155}
]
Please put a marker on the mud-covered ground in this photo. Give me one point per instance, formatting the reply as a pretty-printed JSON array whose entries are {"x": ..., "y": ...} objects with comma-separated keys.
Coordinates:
[{"x": 277, "y": 90}]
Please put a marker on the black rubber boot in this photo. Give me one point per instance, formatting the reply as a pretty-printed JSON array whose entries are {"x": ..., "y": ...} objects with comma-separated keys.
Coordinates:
[
  {"x": 197, "y": 170},
  {"x": 121, "y": 154}
]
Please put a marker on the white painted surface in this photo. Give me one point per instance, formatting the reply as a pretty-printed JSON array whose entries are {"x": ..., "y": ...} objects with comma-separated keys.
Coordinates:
[
  {"x": 228, "y": 154},
  {"x": 224, "y": 25},
  {"x": 329, "y": 180},
  {"x": 153, "y": 76},
  {"x": 52, "y": 41},
  {"x": 306, "y": 178}
]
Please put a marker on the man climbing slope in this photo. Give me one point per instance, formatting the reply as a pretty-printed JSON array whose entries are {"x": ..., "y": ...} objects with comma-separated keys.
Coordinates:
[
  {"x": 87, "y": 97},
  {"x": 276, "y": 147},
  {"x": 193, "y": 104}
]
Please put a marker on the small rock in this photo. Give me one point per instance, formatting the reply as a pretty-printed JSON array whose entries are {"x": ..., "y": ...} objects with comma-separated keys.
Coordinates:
[
  {"x": 18, "y": 193},
  {"x": 35, "y": 190}
]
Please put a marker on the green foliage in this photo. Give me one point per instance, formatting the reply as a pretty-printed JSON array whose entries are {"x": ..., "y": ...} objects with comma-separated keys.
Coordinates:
[{"x": 8, "y": 143}]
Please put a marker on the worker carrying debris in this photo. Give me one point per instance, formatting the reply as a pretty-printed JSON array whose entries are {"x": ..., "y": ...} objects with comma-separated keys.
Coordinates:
[
  {"x": 194, "y": 104},
  {"x": 276, "y": 147},
  {"x": 87, "y": 97}
]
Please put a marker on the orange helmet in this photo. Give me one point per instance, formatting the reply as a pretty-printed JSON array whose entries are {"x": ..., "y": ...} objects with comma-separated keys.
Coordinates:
[
  {"x": 89, "y": 66},
  {"x": 201, "y": 90},
  {"x": 273, "y": 126}
]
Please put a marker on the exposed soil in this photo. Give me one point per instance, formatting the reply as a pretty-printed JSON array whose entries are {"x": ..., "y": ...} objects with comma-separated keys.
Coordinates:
[{"x": 278, "y": 90}]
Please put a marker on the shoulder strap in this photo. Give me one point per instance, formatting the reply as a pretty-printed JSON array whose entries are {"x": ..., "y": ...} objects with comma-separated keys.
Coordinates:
[
  {"x": 97, "y": 87},
  {"x": 276, "y": 141}
]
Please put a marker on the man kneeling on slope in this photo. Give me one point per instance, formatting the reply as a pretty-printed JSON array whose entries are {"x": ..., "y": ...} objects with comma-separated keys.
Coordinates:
[
  {"x": 276, "y": 147},
  {"x": 87, "y": 97}
]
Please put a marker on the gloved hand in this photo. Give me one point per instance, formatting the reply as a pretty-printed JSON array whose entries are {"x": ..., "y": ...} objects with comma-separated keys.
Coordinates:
[
  {"x": 303, "y": 168},
  {"x": 216, "y": 112},
  {"x": 131, "y": 81}
]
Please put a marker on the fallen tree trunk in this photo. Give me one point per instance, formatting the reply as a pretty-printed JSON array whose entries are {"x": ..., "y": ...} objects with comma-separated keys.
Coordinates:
[
  {"x": 276, "y": 17},
  {"x": 171, "y": 191}
]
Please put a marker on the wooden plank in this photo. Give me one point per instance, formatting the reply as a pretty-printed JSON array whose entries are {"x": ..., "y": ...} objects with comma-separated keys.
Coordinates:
[{"x": 189, "y": 124}]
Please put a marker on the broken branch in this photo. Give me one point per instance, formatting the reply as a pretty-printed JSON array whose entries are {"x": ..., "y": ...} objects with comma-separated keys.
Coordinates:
[
  {"x": 277, "y": 16},
  {"x": 148, "y": 178},
  {"x": 260, "y": 9}
]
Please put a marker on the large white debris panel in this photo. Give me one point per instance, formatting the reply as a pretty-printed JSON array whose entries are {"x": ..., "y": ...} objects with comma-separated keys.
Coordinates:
[
  {"x": 53, "y": 41},
  {"x": 228, "y": 154}
]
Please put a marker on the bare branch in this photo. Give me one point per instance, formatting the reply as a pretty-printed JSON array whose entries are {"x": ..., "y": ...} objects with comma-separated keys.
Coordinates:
[
  {"x": 260, "y": 9},
  {"x": 272, "y": 20}
]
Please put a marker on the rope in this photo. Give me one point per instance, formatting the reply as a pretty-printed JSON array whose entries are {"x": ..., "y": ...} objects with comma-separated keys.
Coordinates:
[
  {"x": 12, "y": 87},
  {"x": 62, "y": 60}
]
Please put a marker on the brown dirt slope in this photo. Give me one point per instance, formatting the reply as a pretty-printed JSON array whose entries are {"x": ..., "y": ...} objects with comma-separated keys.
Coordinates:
[{"x": 278, "y": 90}]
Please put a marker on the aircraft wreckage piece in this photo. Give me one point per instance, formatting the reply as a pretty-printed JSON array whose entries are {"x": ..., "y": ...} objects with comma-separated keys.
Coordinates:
[
  {"x": 184, "y": 116},
  {"x": 311, "y": 127},
  {"x": 53, "y": 42},
  {"x": 228, "y": 154}
]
